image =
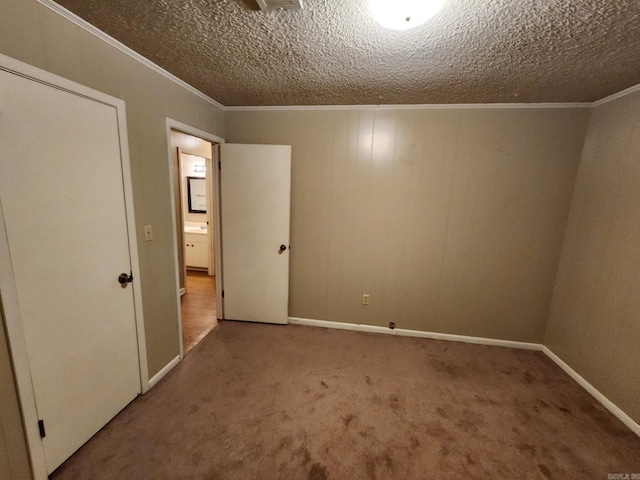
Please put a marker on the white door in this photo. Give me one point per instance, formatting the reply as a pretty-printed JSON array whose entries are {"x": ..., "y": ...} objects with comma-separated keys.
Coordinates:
[
  {"x": 61, "y": 192},
  {"x": 255, "y": 196}
]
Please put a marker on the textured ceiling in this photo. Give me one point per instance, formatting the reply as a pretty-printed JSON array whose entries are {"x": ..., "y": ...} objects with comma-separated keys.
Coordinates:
[{"x": 333, "y": 53}]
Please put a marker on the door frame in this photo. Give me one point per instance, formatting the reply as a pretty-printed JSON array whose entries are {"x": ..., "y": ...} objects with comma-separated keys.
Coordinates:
[
  {"x": 8, "y": 292},
  {"x": 180, "y": 242},
  {"x": 172, "y": 124},
  {"x": 211, "y": 216}
]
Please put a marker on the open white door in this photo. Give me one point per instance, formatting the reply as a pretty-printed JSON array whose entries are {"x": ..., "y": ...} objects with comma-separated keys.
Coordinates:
[
  {"x": 63, "y": 207},
  {"x": 255, "y": 201}
]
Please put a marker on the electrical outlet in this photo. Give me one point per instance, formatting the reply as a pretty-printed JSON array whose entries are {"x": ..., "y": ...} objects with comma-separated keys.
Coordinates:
[
  {"x": 148, "y": 233},
  {"x": 365, "y": 299},
  {"x": 392, "y": 325}
]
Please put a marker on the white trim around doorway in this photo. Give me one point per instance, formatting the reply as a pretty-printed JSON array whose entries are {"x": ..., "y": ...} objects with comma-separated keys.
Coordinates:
[{"x": 214, "y": 139}]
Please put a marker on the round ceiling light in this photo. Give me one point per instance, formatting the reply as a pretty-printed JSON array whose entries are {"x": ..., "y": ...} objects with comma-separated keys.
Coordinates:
[{"x": 404, "y": 14}]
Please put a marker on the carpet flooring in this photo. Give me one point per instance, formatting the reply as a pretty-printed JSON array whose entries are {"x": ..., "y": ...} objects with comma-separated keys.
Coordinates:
[{"x": 290, "y": 402}]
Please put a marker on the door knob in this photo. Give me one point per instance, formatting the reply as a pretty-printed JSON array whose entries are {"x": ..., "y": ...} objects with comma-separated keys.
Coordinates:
[
  {"x": 124, "y": 279},
  {"x": 282, "y": 248}
]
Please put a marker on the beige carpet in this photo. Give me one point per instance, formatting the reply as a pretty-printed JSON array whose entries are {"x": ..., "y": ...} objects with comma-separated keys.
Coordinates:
[{"x": 290, "y": 402}]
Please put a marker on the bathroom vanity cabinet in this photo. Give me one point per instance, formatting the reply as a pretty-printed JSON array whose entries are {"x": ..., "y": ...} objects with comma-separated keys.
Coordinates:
[{"x": 196, "y": 250}]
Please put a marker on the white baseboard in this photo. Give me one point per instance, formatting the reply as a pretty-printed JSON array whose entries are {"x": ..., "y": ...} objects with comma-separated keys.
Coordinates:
[
  {"x": 606, "y": 403},
  {"x": 495, "y": 342},
  {"x": 416, "y": 333},
  {"x": 166, "y": 369}
]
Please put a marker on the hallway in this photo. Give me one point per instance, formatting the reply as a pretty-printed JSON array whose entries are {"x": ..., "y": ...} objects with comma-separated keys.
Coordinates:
[{"x": 198, "y": 308}]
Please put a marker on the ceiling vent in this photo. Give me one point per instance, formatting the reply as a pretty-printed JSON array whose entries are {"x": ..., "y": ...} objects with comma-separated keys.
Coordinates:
[{"x": 280, "y": 4}]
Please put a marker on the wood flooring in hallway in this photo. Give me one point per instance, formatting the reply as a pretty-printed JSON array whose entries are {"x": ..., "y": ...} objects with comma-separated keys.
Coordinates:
[{"x": 198, "y": 308}]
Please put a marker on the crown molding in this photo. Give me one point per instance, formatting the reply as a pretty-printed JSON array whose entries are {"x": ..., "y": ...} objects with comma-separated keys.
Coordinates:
[
  {"x": 616, "y": 96},
  {"x": 444, "y": 106},
  {"x": 80, "y": 22}
]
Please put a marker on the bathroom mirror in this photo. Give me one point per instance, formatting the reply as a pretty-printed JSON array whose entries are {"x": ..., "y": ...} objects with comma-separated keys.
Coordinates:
[{"x": 197, "y": 194}]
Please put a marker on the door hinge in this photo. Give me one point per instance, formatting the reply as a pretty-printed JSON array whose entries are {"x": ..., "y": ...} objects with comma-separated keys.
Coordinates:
[
  {"x": 219, "y": 165},
  {"x": 222, "y": 293},
  {"x": 41, "y": 428}
]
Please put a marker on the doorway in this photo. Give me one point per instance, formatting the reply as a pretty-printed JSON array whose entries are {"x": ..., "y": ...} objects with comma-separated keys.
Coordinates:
[
  {"x": 256, "y": 212},
  {"x": 194, "y": 202},
  {"x": 198, "y": 308}
]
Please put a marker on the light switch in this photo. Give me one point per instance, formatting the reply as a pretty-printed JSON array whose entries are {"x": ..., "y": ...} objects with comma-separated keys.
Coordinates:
[{"x": 148, "y": 233}]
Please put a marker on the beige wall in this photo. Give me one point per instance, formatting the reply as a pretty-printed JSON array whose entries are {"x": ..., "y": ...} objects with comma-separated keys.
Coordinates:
[
  {"x": 594, "y": 323},
  {"x": 451, "y": 219},
  {"x": 35, "y": 35}
]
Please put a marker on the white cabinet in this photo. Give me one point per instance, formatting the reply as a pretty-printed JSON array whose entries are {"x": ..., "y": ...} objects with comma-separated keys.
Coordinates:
[{"x": 196, "y": 250}]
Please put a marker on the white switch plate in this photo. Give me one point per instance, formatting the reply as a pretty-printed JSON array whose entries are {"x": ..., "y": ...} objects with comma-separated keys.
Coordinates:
[
  {"x": 365, "y": 299},
  {"x": 148, "y": 233}
]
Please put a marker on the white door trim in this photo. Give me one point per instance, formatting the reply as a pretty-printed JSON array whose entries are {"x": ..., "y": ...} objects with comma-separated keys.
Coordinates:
[
  {"x": 19, "y": 355},
  {"x": 180, "y": 241},
  {"x": 211, "y": 241},
  {"x": 8, "y": 292},
  {"x": 184, "y": 128}
]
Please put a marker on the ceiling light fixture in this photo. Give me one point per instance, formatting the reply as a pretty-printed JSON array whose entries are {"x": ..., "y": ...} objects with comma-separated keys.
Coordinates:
[{"x": 404, "y": 14}]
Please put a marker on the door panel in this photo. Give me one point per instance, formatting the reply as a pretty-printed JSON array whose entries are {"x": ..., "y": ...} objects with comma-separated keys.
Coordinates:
[
  {"x": 61, "y": 190},
  {"x": 255, "y": 203}
]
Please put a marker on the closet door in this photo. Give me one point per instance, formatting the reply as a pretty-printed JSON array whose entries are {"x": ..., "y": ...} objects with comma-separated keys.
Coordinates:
[{"x": 63, "y": 207}]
